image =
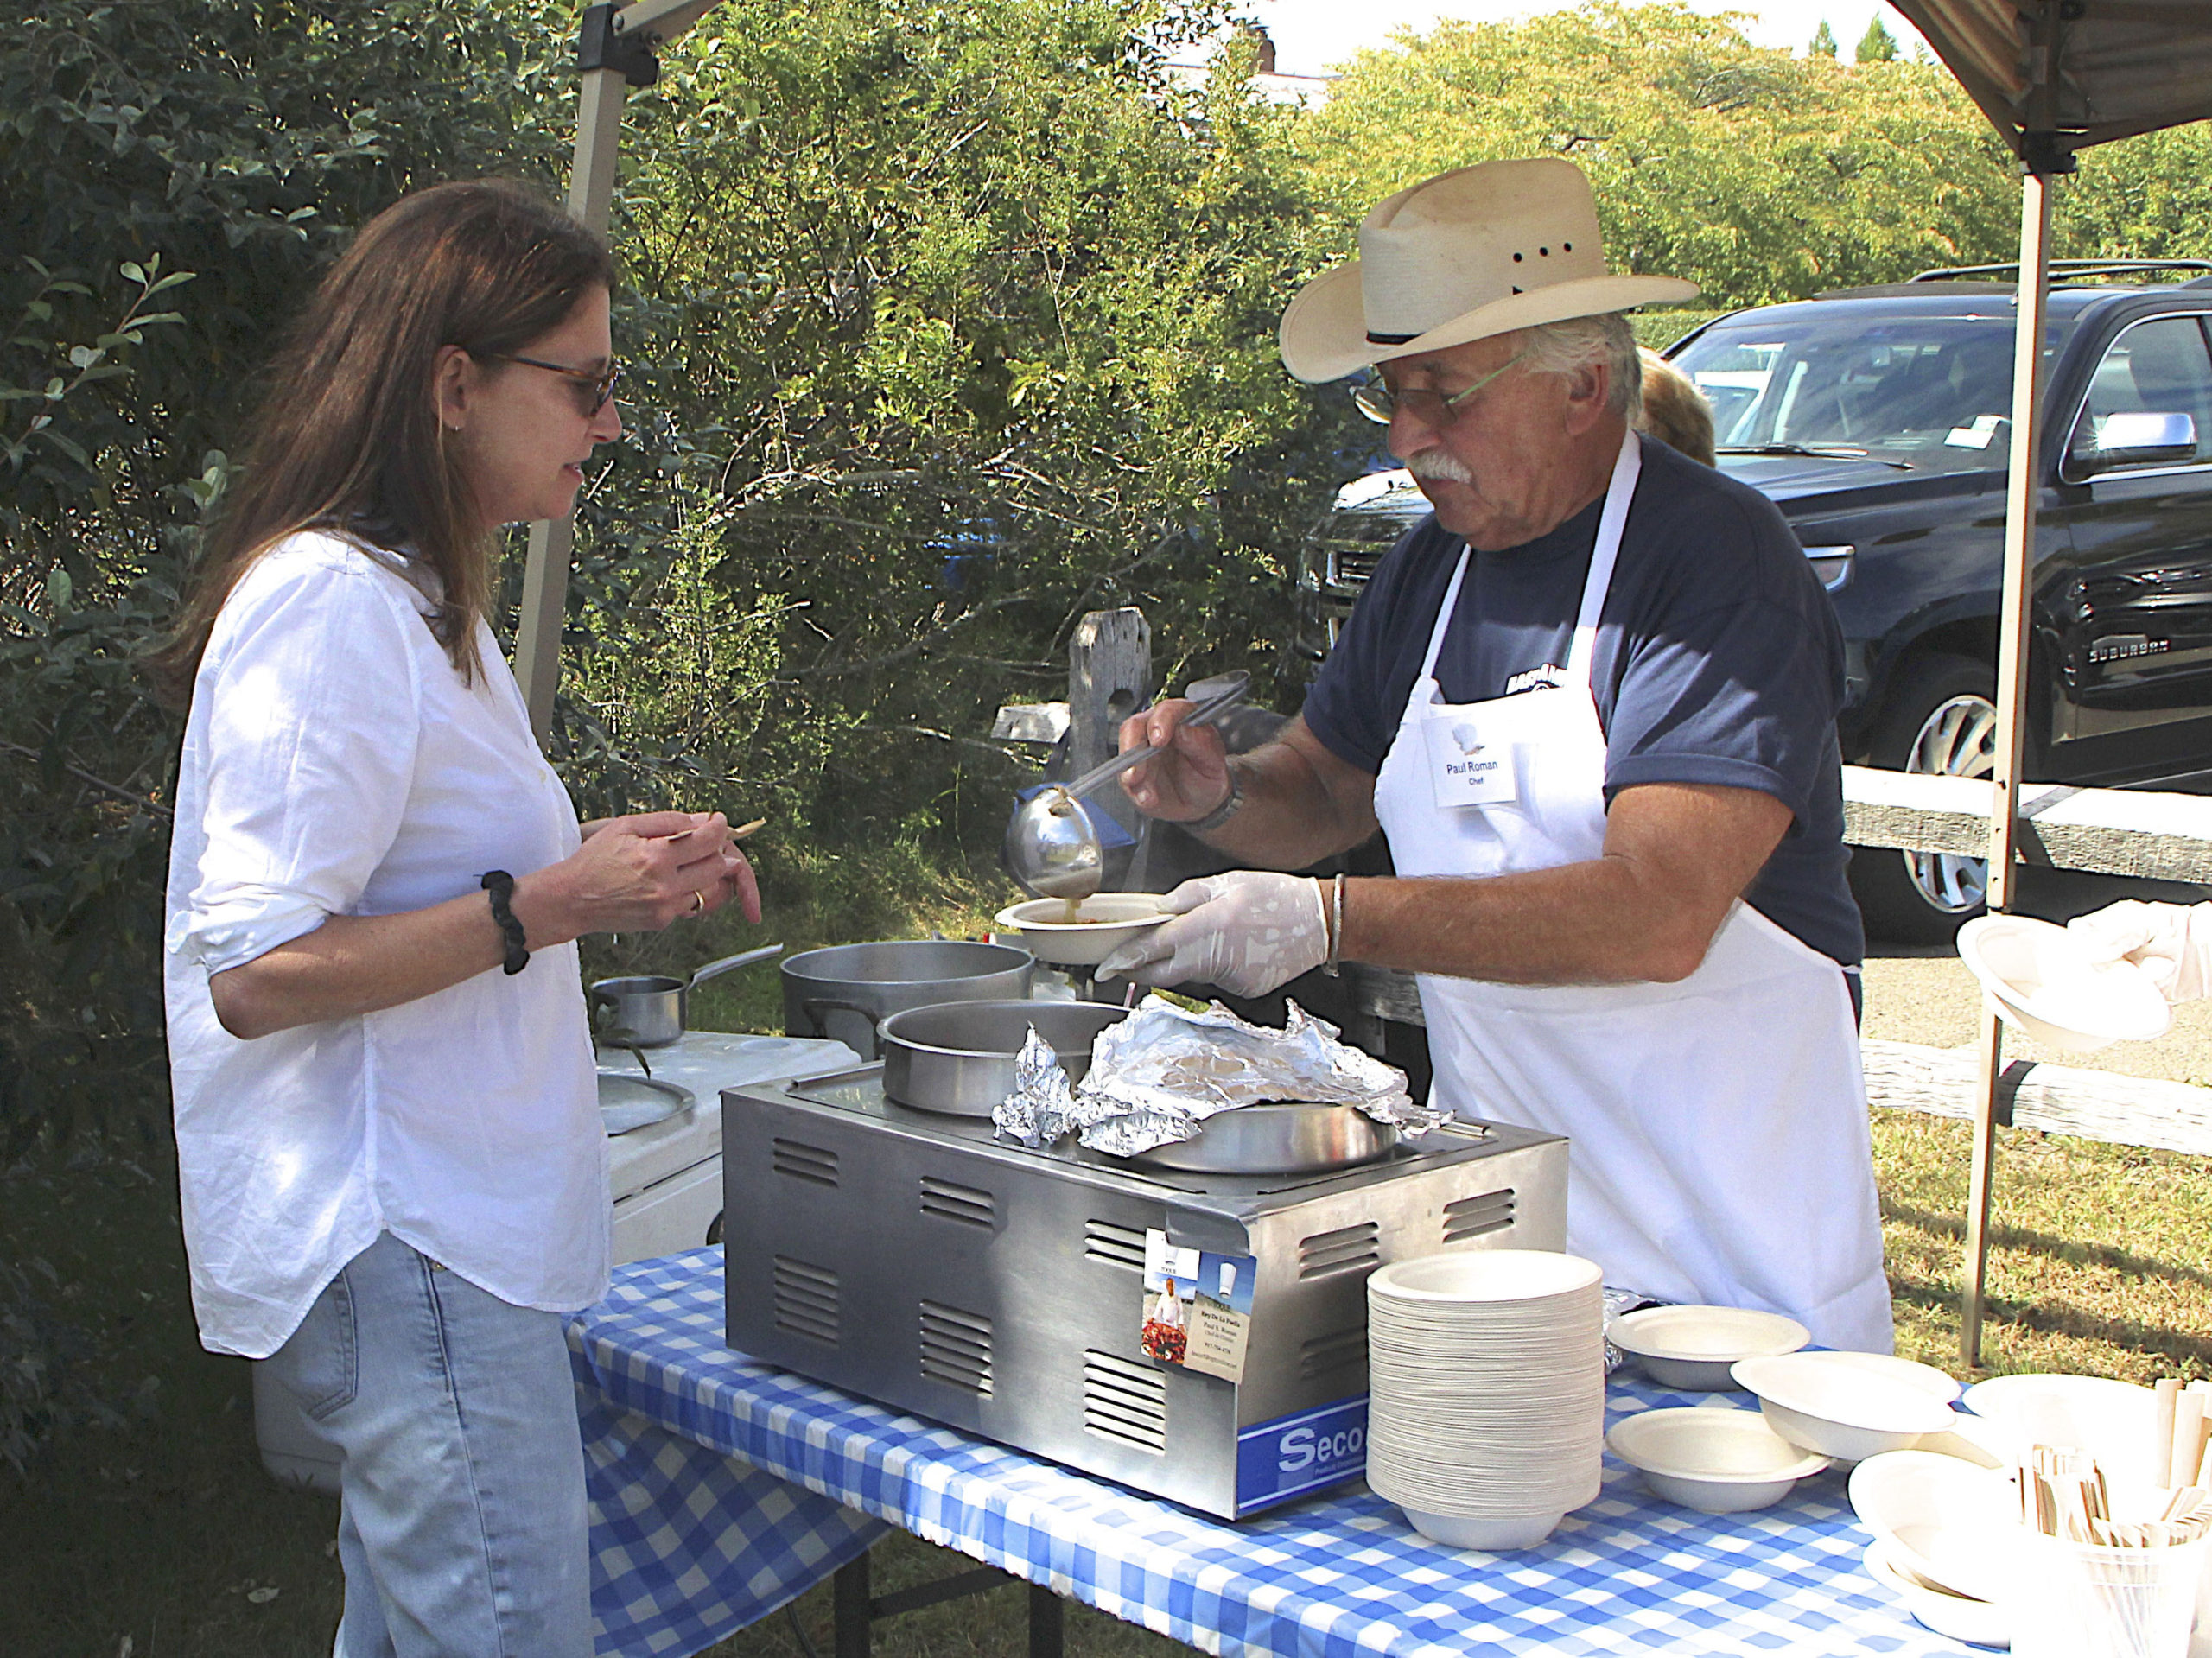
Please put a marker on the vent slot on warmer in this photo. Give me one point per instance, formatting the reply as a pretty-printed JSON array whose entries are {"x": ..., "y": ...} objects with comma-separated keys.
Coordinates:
[
  {"x": 1334, "y": 1351},
  {"x": 806, "y": 1300},
  {"x": 956, "y": 1348},
  {"x": 1114, "y": 1246},
  {"x": 1470, "y": 1217},
  {"x": 816, "y": 1163},
  {"x": 1347, "y": 1249},
  {"x": 1124, "y": 1401},
  {"x": 950, "y": 1200}
]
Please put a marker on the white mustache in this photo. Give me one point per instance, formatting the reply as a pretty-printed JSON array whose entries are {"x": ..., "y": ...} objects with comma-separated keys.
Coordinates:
[{"x": 1439, "y": 464}]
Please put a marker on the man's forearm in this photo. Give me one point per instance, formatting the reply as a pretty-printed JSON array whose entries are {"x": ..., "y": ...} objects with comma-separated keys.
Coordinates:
[
  {"x": 1677, "y": 858},
  {"x": 1580, "y": 923},
  {"x": 1286, "y": 819}
]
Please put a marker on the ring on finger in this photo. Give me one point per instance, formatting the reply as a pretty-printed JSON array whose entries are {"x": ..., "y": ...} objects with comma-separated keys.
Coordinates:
[{"x": 699, "y": 903}]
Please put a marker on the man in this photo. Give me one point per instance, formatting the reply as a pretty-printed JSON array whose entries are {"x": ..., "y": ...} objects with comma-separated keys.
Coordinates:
[{"x": 1591, "y": 703}]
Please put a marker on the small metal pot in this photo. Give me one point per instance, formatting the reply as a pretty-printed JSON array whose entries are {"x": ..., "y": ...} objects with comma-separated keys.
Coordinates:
[
  {"x": 648, "y": 1010},
  {"x": 846, "y": 991},
  {"x": 1288, "y": 1139},
  {"x": 958, "y": 1056}
]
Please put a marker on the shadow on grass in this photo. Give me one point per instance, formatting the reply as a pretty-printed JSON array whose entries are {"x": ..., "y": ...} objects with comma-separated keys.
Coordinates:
[
  {"x": 2185, "y": 1348},
  {"x": 2073, "y": 1252}
]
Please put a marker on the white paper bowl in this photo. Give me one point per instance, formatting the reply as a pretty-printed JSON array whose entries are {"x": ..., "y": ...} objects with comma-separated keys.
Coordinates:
[
  {"x": 1105, "y": 922},
  {"x": 1921, "y": 1378},
  {"x": 1693, "y": 1346},
  {"x": 1497, "y": 1535},
  {"x": 1945, "y": 1521},
  {"x": 2112, "y": 1420},
  {"x": 1841, "y": 1410},
  {"x": 2045, "y": 981},
  {"x": 1977, "y": 1623},
  {"x": 1716, "y": 1461},
  {"x": 1485, "y": 1275}
]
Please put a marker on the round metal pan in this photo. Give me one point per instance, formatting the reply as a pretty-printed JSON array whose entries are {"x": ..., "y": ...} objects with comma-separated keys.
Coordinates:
[
  {"x": 844, "y": 992},
  {"x": 1291, "y": 1138},
  {"x": 957, "y": 1057},
  {"x": 626, "y": 1102}
]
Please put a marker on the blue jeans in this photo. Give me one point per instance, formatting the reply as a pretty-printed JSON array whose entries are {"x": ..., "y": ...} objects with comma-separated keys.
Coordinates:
[{"x": 462, "y": 1524}]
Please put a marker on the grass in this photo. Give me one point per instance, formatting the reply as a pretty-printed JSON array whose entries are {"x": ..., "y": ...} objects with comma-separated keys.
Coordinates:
[
  {"x": 159, "y": 1535},
  {"x": 2100, "y": 1258}
]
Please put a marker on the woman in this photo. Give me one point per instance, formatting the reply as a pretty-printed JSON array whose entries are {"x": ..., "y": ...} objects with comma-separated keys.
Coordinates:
[
  {"x": 1675, "y": 411},
  {"x": 394, "y": 1177}
]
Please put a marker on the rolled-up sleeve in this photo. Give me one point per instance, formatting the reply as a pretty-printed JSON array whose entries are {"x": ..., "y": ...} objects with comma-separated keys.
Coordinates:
[{"x": 310, "y": 706}]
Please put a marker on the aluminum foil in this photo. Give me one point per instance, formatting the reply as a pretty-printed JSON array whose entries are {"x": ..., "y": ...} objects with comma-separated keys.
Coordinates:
[
  {"x": 1041, "y": 1110},
  {"x": 1156, "y": 1077}
]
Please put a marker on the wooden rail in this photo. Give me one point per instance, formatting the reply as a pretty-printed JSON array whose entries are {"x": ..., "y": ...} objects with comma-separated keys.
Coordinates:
[
  {"x": 2109, "y": 831},
  {"x": 2057, "y": 1099}
]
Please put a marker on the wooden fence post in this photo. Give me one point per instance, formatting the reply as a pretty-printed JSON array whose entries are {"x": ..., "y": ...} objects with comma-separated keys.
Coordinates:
[{"x": 1109, "y": 678}]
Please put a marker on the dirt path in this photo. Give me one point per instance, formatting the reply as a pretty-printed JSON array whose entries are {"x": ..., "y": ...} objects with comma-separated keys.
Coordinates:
[{"x": 1924, "y": 994}]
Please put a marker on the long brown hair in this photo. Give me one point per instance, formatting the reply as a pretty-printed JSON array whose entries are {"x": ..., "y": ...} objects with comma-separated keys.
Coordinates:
[{"x": 347, "y": 436}]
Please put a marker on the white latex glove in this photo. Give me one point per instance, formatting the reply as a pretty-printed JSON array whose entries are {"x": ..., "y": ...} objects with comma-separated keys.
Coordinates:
[
  {"x": 1248, "y": 931},
  {"x": 2171, "y": 943}
]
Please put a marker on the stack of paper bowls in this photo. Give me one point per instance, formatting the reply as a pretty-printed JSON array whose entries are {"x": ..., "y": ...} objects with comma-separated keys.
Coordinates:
[{"x": 1487, "y": 1403}]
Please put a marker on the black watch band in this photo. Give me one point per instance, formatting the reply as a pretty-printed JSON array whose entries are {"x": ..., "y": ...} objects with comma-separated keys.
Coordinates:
[
  {"x": 1221, "y": 814},
  {"x": 501, "y": 886}
]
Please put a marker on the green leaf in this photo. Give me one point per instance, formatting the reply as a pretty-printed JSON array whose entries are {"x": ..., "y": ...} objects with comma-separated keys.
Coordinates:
[
  {"x": 58, "y": 588},
  {"x": 134, "y": 272}
]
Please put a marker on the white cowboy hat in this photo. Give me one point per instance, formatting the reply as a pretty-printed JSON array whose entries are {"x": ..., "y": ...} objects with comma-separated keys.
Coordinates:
[{"x": 1481, "y": 251}]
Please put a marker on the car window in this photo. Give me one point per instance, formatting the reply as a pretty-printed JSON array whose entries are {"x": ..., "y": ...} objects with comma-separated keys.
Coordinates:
[
  {"x": 1934, "y": 392},
  {"x": 2160, "y": 366}
]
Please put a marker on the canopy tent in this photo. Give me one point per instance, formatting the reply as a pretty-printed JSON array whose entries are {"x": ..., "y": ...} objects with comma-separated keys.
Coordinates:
[
  {"x": 2075, "y": 73},
  {"x": 2053, "y": 76}
]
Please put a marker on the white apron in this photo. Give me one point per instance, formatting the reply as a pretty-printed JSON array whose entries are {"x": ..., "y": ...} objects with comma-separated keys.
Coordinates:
[{"x": 1720, "y": 1149}]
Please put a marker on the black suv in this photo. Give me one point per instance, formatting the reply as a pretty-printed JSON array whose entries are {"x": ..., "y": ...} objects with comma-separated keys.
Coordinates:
[{"x": 1877, "y": 419}]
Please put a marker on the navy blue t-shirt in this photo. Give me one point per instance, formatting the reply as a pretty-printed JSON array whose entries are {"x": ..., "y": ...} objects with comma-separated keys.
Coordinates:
[{"x": 1719, "y": 661}]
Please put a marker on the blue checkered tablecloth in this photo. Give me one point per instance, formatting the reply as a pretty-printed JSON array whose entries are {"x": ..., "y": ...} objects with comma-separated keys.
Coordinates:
[{"x": 1337, "y": 1576}]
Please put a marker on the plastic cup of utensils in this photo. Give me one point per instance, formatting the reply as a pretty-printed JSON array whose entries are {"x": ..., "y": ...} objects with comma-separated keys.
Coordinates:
[{"x": 2084, "y": 1600}]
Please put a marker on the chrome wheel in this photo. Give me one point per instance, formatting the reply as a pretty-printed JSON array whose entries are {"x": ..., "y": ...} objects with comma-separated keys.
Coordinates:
[{"x": 1957, "y": 740}]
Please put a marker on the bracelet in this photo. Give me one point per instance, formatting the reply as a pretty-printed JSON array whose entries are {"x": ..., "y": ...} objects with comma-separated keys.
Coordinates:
[
  {"x": 1221, "y": 814},
  {"x": 1336, "y": 927},
  {"x": 501, "y": 886}
]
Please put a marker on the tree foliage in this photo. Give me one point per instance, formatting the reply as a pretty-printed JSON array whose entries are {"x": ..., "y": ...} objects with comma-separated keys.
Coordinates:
[
  {"x": 960, "y": 324},
  {"x": 1760, "y": 176}
]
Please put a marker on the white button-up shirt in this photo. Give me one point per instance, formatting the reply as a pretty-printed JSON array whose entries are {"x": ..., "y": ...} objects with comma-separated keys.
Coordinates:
[{"x": 336, "y": 764}]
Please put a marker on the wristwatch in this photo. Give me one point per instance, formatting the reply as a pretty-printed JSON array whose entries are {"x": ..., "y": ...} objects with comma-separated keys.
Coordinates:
[{"x": 1221, "y": 814}]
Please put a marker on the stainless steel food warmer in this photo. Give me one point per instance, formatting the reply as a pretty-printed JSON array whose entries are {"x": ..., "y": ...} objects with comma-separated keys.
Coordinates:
[{"x": 919, "y": 1260}]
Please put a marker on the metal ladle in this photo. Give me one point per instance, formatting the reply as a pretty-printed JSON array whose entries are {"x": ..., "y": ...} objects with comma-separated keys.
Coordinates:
[{"x": 1050, "y": 847}]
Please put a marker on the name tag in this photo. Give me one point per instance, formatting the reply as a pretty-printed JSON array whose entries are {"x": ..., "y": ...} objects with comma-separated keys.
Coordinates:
[{"x": 1468, "y": 765}]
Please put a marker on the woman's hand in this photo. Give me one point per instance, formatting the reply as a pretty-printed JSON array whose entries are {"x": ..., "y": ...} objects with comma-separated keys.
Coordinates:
[
  {"x": 633, "y": 875},
  {"x": 638, "y": 873}
]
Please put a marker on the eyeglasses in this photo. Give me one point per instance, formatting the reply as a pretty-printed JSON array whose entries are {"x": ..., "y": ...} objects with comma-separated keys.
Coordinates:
[
  {"x": 600, "y": 387},
  {"x": 1379, "y": 403}
]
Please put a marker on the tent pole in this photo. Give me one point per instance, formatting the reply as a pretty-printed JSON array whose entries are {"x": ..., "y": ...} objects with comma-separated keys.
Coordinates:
[
  {"x": 2022, "y": 491},
  {"x": 545, "y": 576}
]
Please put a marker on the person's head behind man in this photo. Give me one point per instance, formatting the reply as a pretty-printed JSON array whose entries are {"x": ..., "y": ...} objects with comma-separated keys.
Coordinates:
[{"x": 1501, "y": 360}]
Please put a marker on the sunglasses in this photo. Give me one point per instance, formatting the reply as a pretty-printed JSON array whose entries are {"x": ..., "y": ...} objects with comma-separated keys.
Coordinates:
[
  {"x": 592, "y": 389},
  {"x": 1380, "y": 403}
]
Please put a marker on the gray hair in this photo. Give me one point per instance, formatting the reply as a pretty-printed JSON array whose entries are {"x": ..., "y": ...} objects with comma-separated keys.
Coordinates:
[{"x": 1585, "y": 342}]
